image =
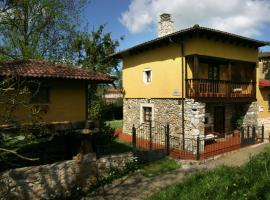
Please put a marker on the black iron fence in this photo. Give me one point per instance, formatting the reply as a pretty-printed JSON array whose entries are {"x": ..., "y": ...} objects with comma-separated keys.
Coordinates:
[{"x": 153, "y": 138}]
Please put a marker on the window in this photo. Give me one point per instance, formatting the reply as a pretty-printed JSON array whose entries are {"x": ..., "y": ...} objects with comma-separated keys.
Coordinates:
[
  {"x": 40, "y": 95},
  {"x": 147, "y": 114},
  {"x": 213, "y": 72},
  {"x": 269, "y": 102},
  {"x": 147, "y": 76}
]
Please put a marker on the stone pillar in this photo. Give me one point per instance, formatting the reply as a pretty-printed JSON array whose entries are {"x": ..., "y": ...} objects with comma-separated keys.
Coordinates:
[
  {"x": 194, "y": 118},
  {"x": 251, "y": 116},
  {"x": 165, "y": 25}
]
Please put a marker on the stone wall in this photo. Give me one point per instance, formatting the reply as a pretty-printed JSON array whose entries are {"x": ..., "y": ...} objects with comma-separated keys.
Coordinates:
[
  {"x": 42, "y": 181},
  {"x": 251, "y": 116},
  {"x": 167, "y": 111}
]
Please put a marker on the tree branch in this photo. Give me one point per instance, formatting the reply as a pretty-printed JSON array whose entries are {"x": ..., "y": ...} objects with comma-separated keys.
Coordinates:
[{"x": 18, "y": 155}]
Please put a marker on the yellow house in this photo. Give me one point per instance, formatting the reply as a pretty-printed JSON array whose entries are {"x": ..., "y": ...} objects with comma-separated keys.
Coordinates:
[
  {"x": 263, "y": 92},
  {"x": 57, "y": 92},
  {"x": 199, "y": 80}
]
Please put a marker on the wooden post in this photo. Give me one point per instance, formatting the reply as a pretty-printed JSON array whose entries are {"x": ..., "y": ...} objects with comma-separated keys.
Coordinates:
[
  {"x": 196, "y": 68},
  {"x": 228, "y": 93},
  {"x": 242, "y": 135},
  {"x": 198, "y": 148}
]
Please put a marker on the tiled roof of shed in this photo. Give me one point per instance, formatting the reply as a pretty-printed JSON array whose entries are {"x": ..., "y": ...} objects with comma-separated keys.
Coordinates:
[{"x": 46, "y": 69}]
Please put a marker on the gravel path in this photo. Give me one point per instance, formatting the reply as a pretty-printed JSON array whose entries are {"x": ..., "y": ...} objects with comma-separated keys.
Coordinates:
[{"x": 138, "y": 187}]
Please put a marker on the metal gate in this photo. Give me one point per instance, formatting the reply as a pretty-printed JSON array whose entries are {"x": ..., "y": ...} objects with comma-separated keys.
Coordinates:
[
  {"x": 248, "y": 135},
  {"x": 151, "y": 140}
]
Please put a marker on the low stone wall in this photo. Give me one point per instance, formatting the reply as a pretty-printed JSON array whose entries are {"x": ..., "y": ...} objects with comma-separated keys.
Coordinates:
[{"x": 42, "y": 181}]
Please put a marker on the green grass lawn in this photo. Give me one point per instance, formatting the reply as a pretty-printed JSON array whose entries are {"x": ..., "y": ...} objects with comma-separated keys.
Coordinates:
[
  {"x": 251, "y": 181},
  {"x": 115, "y": 123},
  {"x": 158, "y": 167}
]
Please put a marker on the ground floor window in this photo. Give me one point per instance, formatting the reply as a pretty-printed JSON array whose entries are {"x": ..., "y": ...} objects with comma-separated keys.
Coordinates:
[{"x": 147, "y": 114}]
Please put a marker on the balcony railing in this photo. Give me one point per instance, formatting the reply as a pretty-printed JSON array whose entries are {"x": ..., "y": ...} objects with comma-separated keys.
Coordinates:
[{"x": 199, "y": 88}]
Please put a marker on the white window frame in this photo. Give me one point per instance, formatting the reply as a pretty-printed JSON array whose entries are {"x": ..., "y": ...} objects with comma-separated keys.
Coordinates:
[
  {"x": 145, "y": 76},
  {"x": 151, "y": 105}
]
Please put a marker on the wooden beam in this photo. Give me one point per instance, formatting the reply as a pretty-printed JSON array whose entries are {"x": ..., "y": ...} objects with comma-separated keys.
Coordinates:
[{"x": 230, "y": 71}]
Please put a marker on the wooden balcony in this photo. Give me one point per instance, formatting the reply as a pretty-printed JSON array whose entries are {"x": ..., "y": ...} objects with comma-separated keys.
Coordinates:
[{"x": 205, "y": 88}]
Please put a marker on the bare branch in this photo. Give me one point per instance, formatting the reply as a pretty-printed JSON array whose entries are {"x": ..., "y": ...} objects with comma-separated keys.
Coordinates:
[{"x": 18, "y": 155}]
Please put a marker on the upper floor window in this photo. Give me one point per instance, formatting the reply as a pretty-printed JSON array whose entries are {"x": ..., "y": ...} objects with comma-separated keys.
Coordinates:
[
  {"x": 213, "y": 72},
  {"x": 147, "y": 76}
]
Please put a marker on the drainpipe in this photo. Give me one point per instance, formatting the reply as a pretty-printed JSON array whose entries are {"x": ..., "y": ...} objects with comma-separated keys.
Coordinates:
[
  {"x": 182, "y": 98},
  {"x": 183, "y": 101}
]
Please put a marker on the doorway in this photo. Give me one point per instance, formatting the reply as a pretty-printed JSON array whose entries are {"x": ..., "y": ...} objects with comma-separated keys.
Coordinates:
[{"x": 219, "y": 119}]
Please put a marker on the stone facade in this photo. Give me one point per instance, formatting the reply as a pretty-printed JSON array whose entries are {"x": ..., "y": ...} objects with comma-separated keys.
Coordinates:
[
  {"x": 170, "y": 111},
  {"x": 165, "y": 25},
  {"x": 40, "y": 182},
  {"x": 251, "y": 114},
  {"x": 167, "y": 111}
]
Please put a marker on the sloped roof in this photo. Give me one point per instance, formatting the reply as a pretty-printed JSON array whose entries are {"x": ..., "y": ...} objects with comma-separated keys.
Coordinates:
[
  {"x": 264, "y": 54},
  {"x": 188, "y": 32},
  {"x": 264, "y": 83},
  {"x": 46, "y": 69}
]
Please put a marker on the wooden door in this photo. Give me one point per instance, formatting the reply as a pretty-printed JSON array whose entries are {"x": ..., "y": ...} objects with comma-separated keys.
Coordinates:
[{"x": 219, "y": 119}]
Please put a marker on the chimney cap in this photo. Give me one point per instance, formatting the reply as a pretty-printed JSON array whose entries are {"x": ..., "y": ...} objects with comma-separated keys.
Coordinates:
[{"x": 165, "y": 17}]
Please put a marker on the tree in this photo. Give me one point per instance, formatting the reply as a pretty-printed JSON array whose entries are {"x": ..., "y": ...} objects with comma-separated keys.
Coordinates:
[
  {"x": 38, "y": 28},
  {"x": 91, "y": 51}
]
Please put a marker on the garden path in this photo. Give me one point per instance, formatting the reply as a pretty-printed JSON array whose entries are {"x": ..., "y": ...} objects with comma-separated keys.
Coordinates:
[{"x": 138, "y": 187}]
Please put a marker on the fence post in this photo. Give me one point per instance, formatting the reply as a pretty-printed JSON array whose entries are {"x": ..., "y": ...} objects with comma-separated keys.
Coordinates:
[
  {"x": 150, "y": 134},
  {"x": 134, "y": 137},
  {"x": 262, "y": 133},
  {"x": 167, "y": 136},
  {"x": 242, "y": 135},
  {"x": 198, "y": 148},
  {"x": 253, "y": 134}
]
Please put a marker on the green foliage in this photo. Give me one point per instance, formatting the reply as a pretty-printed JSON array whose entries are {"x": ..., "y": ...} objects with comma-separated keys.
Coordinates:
[
  {"x": 115, "y": 124},
  {"x": 92, "y": 50},
  {"x": 237, "y": 121},
  {"x": 158, "y": 167},
  {"x": 39, "y": 28},
  {"x": 251, "y": 181},
  {"x": 113, "y": 111},
  {"x": 115, "y": 173}
]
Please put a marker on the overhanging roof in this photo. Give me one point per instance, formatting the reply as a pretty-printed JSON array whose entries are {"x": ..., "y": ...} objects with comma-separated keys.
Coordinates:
[
  {"x": 264, "y": 83},
  {"x": 177, "y": 36},
  {"x": 45, "y": 69}
]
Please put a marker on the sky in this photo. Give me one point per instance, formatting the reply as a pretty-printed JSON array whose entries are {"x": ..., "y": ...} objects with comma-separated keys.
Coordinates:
[{"x": 137, "y": 20}]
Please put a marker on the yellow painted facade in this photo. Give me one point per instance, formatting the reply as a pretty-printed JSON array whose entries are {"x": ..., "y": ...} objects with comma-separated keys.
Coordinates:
[
  {"x": 66, "y": 102},
  {"x": 262, "y": 96},
  {"x": 166, "y": 65}
]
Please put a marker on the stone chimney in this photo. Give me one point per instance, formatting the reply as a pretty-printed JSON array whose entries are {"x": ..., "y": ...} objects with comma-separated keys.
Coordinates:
[{"x": 165, "y": 25}]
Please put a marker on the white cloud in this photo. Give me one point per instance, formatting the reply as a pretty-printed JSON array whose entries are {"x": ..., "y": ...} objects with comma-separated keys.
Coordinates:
[{"x": 246, "y": 17}]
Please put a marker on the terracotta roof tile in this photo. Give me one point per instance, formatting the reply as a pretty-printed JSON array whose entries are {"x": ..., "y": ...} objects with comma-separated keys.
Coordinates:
[
  {"x": 46, "y": 69},
  {"x": 264, "y": 54}
]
